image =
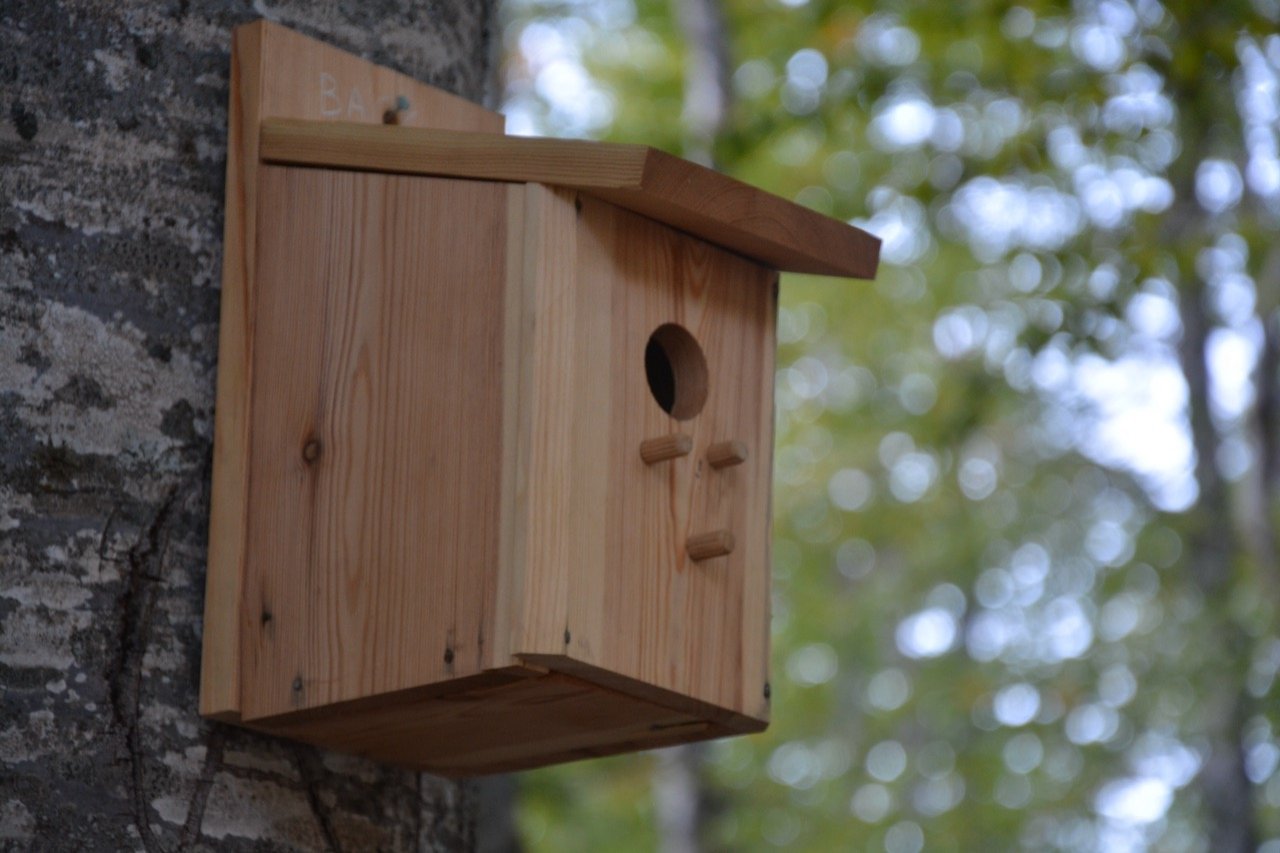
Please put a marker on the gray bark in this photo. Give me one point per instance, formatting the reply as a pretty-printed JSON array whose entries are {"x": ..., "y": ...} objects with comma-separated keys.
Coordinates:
[{"x": 112, "y": 145}]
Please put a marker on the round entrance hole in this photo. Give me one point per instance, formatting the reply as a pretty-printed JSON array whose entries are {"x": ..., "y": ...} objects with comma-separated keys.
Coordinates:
[{"x": 676, "y": 370}]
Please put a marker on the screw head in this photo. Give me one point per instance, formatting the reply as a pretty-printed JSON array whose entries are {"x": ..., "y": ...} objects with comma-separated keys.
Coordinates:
[
  {"x": 297, "y": 684},
  {"x": 768, "y": 691},
  {"x": 448, "y": 655}
]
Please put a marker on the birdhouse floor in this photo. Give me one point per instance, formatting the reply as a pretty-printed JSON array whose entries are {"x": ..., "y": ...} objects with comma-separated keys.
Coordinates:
[{"x": 504, "y": 720}]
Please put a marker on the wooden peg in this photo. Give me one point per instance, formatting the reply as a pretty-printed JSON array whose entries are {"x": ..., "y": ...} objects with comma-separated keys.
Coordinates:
[
  {"x": 725, "y": 454},
  {"x": 653, "y": 450},
  {"x": 704, "y": 546}
]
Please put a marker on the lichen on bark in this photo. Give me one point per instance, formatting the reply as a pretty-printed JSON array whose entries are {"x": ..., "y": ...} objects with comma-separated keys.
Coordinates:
[{"x": 112, "y": 151}]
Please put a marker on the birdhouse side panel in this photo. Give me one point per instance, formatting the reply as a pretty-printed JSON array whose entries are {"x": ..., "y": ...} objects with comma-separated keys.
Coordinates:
[{"x": 376, "y": 435}]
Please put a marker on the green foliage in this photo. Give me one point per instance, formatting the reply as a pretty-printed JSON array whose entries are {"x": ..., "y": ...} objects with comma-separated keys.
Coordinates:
[{"x": 988, "y": 631}]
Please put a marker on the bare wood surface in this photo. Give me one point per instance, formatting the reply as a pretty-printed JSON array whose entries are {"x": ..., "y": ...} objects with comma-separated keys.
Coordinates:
[
  {"x": 371, "y": 565},
  {"x": 543, "y": 379},
  {"x": 637, "y": 606},
  {"x": 220, "y": 654},
  {"x": 692, "y": 198},
  {"x": 497, "y": 722},
  {"x": 725, "y": 719},
  {"x": 596, "y": 568},
  {"x": 518, "y": 322},
  {"x": 276, "y": 73}
]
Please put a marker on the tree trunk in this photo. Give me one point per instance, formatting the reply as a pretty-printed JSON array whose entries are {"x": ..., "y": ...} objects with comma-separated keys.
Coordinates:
[
  {"x": 707, "y": 89},
  {"x": 1210, "y": 553},
  {"x": 112, "y": 147}
]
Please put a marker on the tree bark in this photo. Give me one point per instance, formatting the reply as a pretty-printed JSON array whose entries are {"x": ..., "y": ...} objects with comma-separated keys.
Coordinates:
[{"x": 112, "y": 151}]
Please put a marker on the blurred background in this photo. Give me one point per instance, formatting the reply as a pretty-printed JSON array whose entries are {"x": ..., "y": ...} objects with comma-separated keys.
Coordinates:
[{"x": 1025, "y": 560}]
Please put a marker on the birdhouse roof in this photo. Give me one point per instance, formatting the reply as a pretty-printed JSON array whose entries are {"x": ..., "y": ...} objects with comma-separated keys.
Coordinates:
[{"x": 684, "y": 195}]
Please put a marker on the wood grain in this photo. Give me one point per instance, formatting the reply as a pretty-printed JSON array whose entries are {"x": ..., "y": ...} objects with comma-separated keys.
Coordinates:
[
  {"x": 275, "y": 73},
  {"x": 562, "y": 397},
  {"x": 376, "y": 560},
  {"x": 220, "y": 653},
  {"x": 633, "y": 601},
  {"x": 304, "y": 79},
  {"x": 696, "y": 200},
  {"x": 449, "y": 394},
  {"x": 498, "y": 722},
  {"x": 725, "y": 719}
]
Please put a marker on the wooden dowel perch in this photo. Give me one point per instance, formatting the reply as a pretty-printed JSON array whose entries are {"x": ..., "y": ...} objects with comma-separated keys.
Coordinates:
[
  {"x": 654, "y": 450},
  {"x": 704, "y": 546},
  {"x": 725, "y": 454}
]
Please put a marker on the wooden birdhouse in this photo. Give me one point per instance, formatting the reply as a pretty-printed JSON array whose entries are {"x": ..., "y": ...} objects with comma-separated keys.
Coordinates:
[{"x": 494, "y": 427}]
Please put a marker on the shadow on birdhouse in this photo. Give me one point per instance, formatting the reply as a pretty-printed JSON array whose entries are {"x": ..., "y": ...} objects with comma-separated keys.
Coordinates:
[{"x": 494, "y": 427}]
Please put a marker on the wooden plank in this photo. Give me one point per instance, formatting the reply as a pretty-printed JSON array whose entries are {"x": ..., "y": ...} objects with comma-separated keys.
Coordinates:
[
  {"x": 729, "y": 721},
  {"x": 617, "y": 742},
  {"x": 645, "y": 609},
  {"x": 547, "y": 459},
  {"x": 376, "y": 556},
  {"x": 758, "y": 509},
  {"x": 306, "y": 79},
  {"x": 517, "y": 373},
  {"x": 286, "y": 416},
  {"x": 275, "y": 73},
  {"x": 596, "y": 406},
  {"x": 689, "y": 197},
  {"x": 558, "y": 491},
  {"x": 484, "y": 156},
  {"x": 497, "y": 725},
  {"x": 220, "y": 654}
]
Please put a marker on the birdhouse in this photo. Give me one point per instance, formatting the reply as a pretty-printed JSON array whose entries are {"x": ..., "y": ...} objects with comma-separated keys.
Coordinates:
[{"x": 494, "y": 427}]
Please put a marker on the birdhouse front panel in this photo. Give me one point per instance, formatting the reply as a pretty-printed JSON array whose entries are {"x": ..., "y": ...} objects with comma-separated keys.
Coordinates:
[{"x": 660, "y": 487}]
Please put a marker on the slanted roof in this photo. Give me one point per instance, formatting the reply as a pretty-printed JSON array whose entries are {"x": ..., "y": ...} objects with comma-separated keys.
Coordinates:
[{"x": 684, "y": 195}]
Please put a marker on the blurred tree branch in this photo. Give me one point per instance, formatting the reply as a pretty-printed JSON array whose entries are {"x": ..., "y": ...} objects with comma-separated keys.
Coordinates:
[{"x": 707, "y": 75}]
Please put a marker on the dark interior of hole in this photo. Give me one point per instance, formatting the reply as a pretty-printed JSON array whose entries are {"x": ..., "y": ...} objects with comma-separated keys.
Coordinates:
[{"x": 662, "y": 377}]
